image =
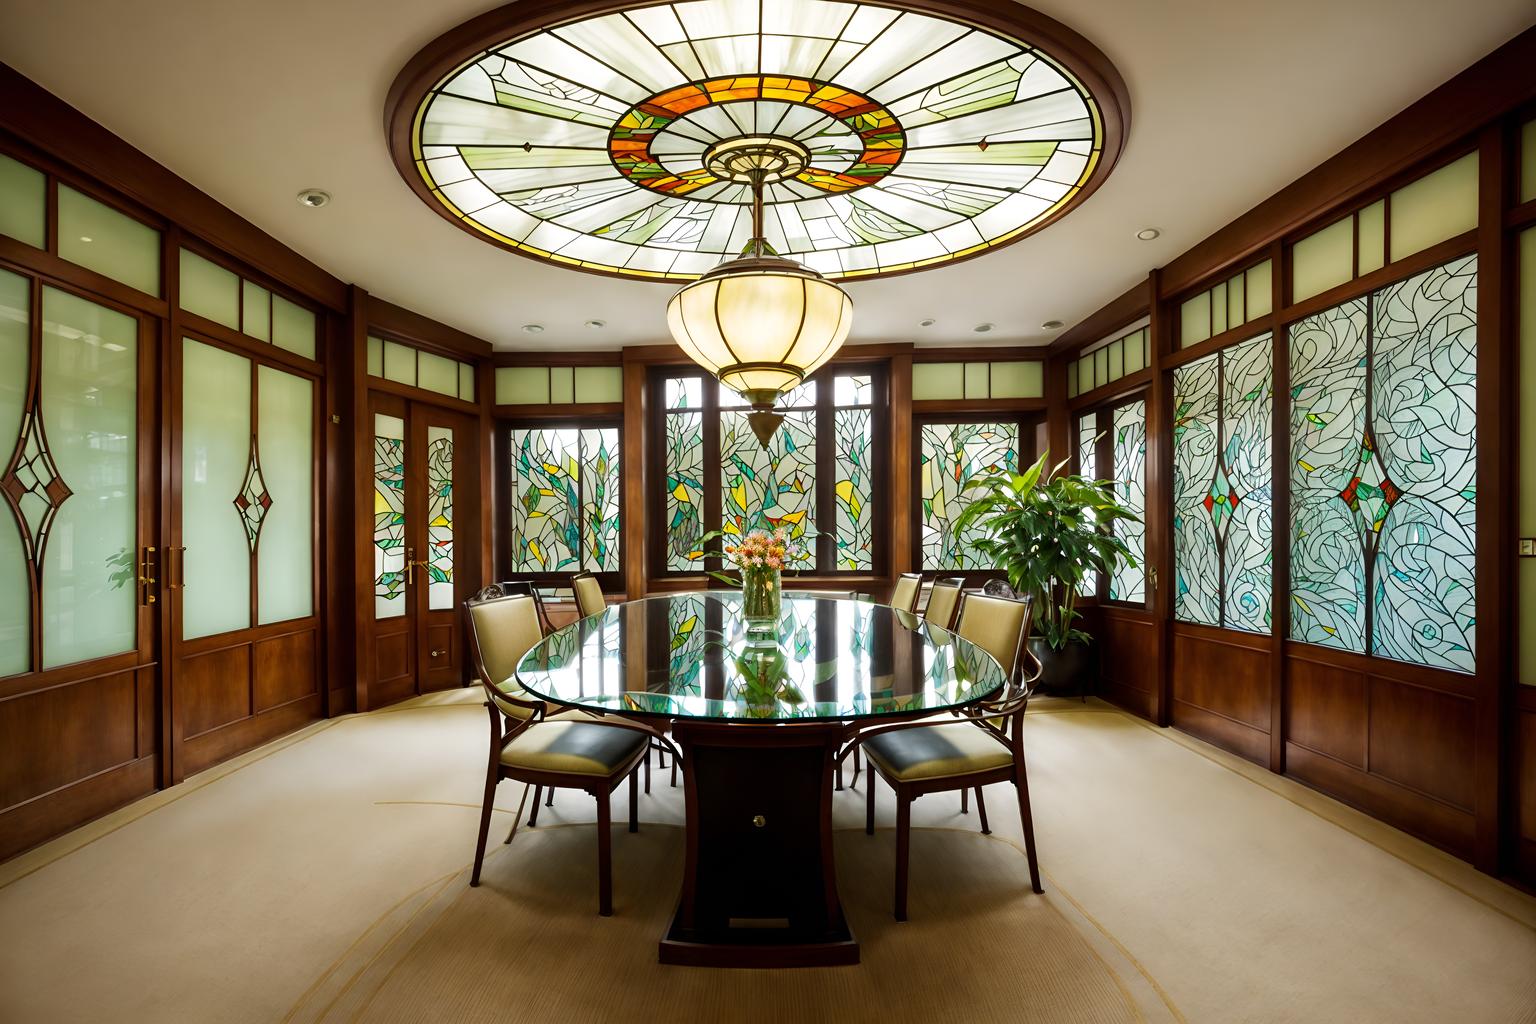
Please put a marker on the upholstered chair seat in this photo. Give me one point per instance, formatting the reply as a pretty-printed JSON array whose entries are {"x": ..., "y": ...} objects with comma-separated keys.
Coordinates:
[
  {"x": 935, "y": 752},
  {"x": 574, "y": 748}
]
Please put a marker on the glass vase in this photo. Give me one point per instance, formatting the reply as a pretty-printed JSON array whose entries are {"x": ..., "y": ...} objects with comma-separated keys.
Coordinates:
[{"x": 760, "y": 588}]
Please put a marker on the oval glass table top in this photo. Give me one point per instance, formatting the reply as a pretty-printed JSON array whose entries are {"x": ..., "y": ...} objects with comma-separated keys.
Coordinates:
[{"x": 693, "y": 656}]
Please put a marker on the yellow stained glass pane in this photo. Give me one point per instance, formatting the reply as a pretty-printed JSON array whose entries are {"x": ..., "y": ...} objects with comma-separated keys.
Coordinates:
[
  {"x": 1323, "y": 260},
  {"x": 977, "y": 383},
  {"x": 937, "y": 380},
  {"x": 293, "y": 327},
  {"x": 1438, "y": 206},
  {"x": 1371, "y": 229},
  {"x": 209, "y": 290},
  {"x": 1259, "y": 283},
  {"x": 562, "y": 385},
  {"x": 522, "y": 385},
  {"x": 599, "y": 384},
  {"x": 1018, "y": 380},
  {"x": 23, "y": 203},
  {"x": 99, "y": 238},
  {"x": 1195, "y": 320}
]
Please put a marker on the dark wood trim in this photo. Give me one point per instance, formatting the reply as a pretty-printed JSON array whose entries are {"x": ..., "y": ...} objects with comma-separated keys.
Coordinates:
[
  {"x": 1119, "y": 312},
  {"x": 1226, "y": 339},
  {"x": 76, "y": 141},
  {"x": 415, "y": 394},
  {"x": 1442, "y": 252},
  {"x": 566, "y": 411},
  {"x": 26, "y": 260},
  {"x": 1111, "y": 392},
  {"x": 386, "y": 318},
  {"x": 942, "y": 406},
  {"x": 636, "y": 471},
  {"x": 605, "y": 357},
  {"x": 1159, "y": 492},
  {"x": 980, "y": 354}
]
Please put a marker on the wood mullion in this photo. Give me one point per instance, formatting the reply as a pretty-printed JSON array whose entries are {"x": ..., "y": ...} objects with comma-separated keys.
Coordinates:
[
  {"x": 826, "y": 476},
  {"x": 1280, "y": 516},
  {"x": 710, "y": 420}
]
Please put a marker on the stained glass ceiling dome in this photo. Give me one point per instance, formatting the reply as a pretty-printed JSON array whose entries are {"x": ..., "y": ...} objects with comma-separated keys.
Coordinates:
[{"x": 934, "y": 131}]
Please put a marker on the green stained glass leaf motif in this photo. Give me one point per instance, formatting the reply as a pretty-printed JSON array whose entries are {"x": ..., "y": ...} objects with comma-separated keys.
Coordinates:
[{"x": 566, "y": 515}]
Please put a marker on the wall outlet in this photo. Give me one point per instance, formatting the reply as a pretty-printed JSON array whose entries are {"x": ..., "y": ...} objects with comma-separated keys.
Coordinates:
[{"x": 1528, "y": 547}]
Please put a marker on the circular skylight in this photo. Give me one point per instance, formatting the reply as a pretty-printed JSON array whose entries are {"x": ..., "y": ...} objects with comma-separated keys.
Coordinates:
[{"x": 919, "y": 135}]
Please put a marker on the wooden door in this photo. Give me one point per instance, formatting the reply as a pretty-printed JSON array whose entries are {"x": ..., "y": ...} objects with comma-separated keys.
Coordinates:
[
  {"x": 80, "y": 560},
  {"x": 424, "y": 516},
  {"x": 246, "y": 552}
]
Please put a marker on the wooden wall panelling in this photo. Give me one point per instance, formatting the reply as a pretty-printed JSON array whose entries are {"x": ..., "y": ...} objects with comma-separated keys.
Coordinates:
[
  {"x": 900, "y": 537},
  {"x": 632, "y": 512},
  {"x": 1126, "y": 676},
  {"x": 1220, "y": 683},
  {"x": 1524, "y": 771},
  {"x": 1158, "y": 532},
  {"x": 1497, "y": 377}
]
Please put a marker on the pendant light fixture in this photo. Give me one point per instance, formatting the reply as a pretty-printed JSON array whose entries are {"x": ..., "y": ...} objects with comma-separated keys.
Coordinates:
[{"x": 760, "y": 323}]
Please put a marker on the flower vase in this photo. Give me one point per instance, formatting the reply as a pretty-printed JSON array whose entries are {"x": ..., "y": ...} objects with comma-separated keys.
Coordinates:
[{"x": 760, "y": 588}]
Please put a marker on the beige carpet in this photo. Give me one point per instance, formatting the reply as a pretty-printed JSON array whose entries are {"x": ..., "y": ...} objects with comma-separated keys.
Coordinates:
[{"x": 323, "y": 878}]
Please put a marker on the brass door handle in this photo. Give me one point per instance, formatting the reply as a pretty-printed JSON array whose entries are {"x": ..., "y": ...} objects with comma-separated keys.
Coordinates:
[
  {"x": 147, "y": 570},
  {"x": 438, "y": 653}
]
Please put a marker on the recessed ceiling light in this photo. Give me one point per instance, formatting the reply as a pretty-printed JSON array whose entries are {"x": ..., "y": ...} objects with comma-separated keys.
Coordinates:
[
  {"x": 1147, "y": 234},
  {"x": 982, "y": 328},
  {"x": 533, "y": 328},
  {"x": 313, "y": 198},
  {"x": 1050, "y": 325},
  {"x": 597, "y": 325},
  {"x": 927, "y": 323}
]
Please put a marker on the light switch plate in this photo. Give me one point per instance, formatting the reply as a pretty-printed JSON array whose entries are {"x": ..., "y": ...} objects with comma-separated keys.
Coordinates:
[{"x": 1528, "y": 547}]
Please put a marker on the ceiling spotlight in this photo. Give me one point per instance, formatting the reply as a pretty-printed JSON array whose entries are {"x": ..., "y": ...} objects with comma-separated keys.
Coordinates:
[
  {"x": 533, "y": 328},
  {"x": 86, "y": 238},
  {"x": 313, "y": 198},
  {"x": 1147, "y": 234},
  {"x": 1050, "y": 325},
  {"x": 982, "y": 328},
  {"x": 597, "y": 325},
  {"x": 927, "y": 323}
]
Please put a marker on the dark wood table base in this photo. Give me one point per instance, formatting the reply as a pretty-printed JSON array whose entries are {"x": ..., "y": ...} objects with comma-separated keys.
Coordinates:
[{"x": 759, "y": 881}]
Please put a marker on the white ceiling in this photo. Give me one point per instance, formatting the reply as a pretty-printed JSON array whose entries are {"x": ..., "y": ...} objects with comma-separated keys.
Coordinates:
[{"x": 253, "y": 101}]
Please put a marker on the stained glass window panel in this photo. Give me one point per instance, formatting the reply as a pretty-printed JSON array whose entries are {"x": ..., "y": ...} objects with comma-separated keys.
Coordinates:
[
  {"x": 1247, "y": 456},
  {"x": 1196, "y": 556},
  {"x": 388, "y": 516},
  {"x": 1383, "y": 439},
  {"x": 1223, "y": 488},
  {"x": 767, "y": 489},
  {"x": 684, "y": 467},
  {"x": 1424, "y": 425},
  {"x": 439, "y": 567},
  {"x": 854, "y": 485},
  {"x": 565, "y": 500},
  {"x": 1130, "y": 453},
  {"x": 1088, "y": 466},
  {"x": 950, "y": 456},
  {"x": 1329, "y": 366}
]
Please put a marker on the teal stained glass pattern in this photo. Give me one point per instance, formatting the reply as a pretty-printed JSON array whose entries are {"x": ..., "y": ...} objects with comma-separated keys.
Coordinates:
[
  {"x": 1088, "y": 466},
  {"x": 1129, "y": 438},
  {"x": 950, "y": 456},
  {"x": 565, "y": 508},
  {"x": 1330, "y": 360},
  {"x": 1223, "y": 488},
  {"x": 1384, "y": 467},
  {"x": 688, "y": 633},
  {"x": 767, "y": 489}
]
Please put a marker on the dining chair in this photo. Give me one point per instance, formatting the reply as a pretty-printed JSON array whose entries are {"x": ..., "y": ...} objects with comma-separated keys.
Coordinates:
[
  {"x": 908, "y": 588},
  {"x": 986, "y": 746},
  {"x": 943, "y": 601},
  {"x": 529, "y": 745},
  {"x": 519, "y": 588},
  {"x": 589, "y": 595}
]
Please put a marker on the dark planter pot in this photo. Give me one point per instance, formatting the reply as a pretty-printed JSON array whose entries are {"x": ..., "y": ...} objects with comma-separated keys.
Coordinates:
[{"x": 1067, "y": 670}]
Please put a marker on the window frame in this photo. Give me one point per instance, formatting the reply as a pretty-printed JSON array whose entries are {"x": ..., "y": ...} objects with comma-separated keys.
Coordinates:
[
  {"x": 611, "y": 581},
  {"x": 1103, "y": 412},
  {"x": 1029, "y": 423},
  {"x": 824, "y": 565}
]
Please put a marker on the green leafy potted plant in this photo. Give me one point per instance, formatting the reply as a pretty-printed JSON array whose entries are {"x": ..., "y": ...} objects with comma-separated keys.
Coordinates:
[{"x": 1048, "y": 532}]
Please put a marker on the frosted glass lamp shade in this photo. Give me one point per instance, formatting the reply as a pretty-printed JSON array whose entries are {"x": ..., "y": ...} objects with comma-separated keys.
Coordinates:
[{"x": 761, "y": 324}]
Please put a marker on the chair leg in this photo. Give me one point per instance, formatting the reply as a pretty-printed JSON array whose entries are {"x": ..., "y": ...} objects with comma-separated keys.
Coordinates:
[
  {"x": 965, "y": 801},
  {"x": 981, "y": 809},
  {"x": 604, "y": 858},
  {"x": 485, "y": 825},
  {"x": 634, "y": 800},
  {"x": 661, "y": 756},
  {"x": 533, "y": 815},
  {"x": 903, "y": 850},
  {"x": 674, "y": 773},
  {"x": 549, "y": 798},
  {"x": 647, "y": 776},
  {"x": 838, "y": 775},
  {"x": 1021, "y": 783},
  {"x": 856, "y": 764},
  {"x": 869, "y": 805}
]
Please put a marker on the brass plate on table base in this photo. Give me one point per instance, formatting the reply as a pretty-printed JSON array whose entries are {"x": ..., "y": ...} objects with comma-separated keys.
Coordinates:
[{"x": 759, "y": 880}]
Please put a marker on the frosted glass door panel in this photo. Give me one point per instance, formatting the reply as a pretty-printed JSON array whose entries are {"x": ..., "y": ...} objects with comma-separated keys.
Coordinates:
[
  {"x": 216, "y": 455},
  {"x": 15, "y": 585},
  {"x": 284, "y": 553},
  {"x": 89, "y": 441},
  {"x": 388, "y": 516},
  {"x": 439, "y": 519}
]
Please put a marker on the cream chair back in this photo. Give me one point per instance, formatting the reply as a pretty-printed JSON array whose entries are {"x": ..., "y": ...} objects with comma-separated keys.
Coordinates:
[
  {"x": 996, "y": 625},
  {"x": 503, "y": 629},
  {"x": 589, "y": 594},
  {"x": 943, "y": 600},
  {"x": 909, "y": 587}
]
